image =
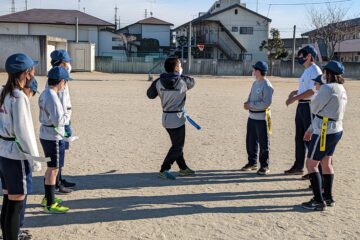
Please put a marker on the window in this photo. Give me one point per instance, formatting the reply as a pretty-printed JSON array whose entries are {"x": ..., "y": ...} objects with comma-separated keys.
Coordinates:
[
  {"x": 236, "y": 11},
  {"x": 118, "y": 48},
  {"x": 218, "y": 5},
  {"x": 356, "y": 58},
  {"x": 235, "y": 29},
  {"x": 246, "y": 30},
  {"x": 116, "y": 39},
  {"x": 222, "y": 29}
]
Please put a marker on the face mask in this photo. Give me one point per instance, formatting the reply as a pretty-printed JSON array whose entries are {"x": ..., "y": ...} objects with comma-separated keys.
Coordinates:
[
  {"x": 323, "y": 79},
  {"x": 69, "y": 68},
  {"x": 301, "y": 61},
  {"x": 180, "y": 71}
]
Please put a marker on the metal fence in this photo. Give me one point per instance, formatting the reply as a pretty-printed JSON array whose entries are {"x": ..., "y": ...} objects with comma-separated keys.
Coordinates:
[{"x": 206, "y": 67}]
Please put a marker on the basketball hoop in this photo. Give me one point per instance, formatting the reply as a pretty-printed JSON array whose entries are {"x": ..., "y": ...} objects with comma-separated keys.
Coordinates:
[{"x": 201, "y": 47}]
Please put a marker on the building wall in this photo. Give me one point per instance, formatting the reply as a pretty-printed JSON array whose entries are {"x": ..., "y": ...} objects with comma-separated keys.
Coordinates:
[
  {"x": 251, "y": 42},
  {"x": 34, "y": 46},
  {"x": 86, "y": 33},
  {"x": 107, "y": 42},
  {"x": 159, "y": 32},
  {"x": 135, "y": 29}
]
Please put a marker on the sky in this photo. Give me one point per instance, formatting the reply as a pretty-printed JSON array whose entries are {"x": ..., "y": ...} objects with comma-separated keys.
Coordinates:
[{"x": 284, "y": 17}]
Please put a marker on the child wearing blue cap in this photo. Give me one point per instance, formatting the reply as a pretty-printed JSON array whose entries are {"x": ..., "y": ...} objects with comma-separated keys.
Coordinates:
[
  {"x": 53, "y": 119},
  {"x": 17, "y": 138},
  {"x": 303, "y": 95},
  {"x": 61, "y": 58},
  {"x": 324, "y": 134},
  {"x": 259, "y": 121}
]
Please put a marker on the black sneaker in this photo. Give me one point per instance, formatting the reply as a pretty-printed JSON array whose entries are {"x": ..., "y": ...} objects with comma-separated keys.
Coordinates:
[
  {"x": 306, "y": 177},
  {"x": 263, "y": 171},
  {"x": 63, "y": 190},
  {"x": 330, "y": 202},
  {"x": 293, "y": 171},
  {"x": 249, "y": 167},
  {"x": 314, "y": 205},
  {"x": 68, "y": 184}
]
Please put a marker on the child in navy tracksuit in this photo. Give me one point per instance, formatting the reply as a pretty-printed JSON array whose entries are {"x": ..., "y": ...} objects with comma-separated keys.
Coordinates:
[
  {"x": 259, "y": 122},
  {"x": 171, "y": 87}
]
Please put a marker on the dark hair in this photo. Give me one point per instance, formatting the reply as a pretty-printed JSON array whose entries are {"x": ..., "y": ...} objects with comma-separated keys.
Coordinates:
[
  {"x": 170, "y": 64},
  {"x": 53, "y": 82},
  {"x": 263, "y": 73},
  {"x": 55, "y": 63},
  {"x": 11, "y": 84},
  {"x": 305, "y": 53},
  {"x": 332, "y": 77}
]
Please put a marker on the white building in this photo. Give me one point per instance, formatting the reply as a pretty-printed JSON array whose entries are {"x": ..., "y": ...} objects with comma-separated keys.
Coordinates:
[
  {"x": 229, "y": 30},
  {"x": 150, "y": 28},
  {"x": 59, "y": 23}
]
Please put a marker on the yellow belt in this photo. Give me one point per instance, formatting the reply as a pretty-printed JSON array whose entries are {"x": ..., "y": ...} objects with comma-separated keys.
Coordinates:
[
  {"x": 323, "y": 134},
  {"x": 268, "y": 120}
]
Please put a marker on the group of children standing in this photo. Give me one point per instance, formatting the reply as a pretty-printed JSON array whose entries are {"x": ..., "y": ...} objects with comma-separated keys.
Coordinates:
[
  {"x": 318, "y": 128},
  {"x": 321, "y": 101},
  {"x": 18, "y": 147}
]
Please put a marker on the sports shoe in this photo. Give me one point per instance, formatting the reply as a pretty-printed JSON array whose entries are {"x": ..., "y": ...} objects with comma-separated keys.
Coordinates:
[
  {"x": 25, "y": 235},
  {"x": 68, "y": 184},
  {"x": 167, "y": 175},
  {"x": 330, "y": 202},
  {"x": 61, "y": 189},
  {"x": 263, "y": 171},
  {"x": 44, "y": 201},
  {"x": 293, "y": 171},
  {"x": 186, "y": 172},
  {"x": 249, "y": 167},
  {"x": 56, "y": 209},
  {"x": 314, "y": 205},
  {"x": 306, "y": 177}
]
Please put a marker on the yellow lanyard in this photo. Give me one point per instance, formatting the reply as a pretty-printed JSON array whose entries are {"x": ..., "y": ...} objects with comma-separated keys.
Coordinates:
[
  {"x": 323, "y": 134},
  {"x": 268, "y": 120}
]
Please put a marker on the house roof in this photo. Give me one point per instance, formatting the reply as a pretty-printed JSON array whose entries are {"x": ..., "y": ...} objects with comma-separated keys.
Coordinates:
[
  {"x": 349, "y": 23},
  {"x": 53, "y": 16},
  {"x": 149, "y": 21},
  {"x": 208, "y": 15},
  {"x": 154, "y": 21}
]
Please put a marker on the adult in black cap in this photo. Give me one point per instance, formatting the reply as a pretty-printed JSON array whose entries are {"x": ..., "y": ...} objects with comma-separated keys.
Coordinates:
[
  {"x": 303, "y": 95},
  {"x": 259, "y": 123},
  {"x": 324, "y": 134},
  {"x": 17, "y": 137}
]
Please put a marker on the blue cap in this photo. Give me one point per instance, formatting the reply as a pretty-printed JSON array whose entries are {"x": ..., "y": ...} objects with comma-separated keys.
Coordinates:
[
  {"x": 59, "y": 73},
  {"x": 308, "y": 49},
  {"x": 335, "y": 67},
  {"x": 19, "y": 62},
  {"x": 262, "y": 66},
  {"x": 60, "y": 55},
  {"x": 318, "y": 79}
]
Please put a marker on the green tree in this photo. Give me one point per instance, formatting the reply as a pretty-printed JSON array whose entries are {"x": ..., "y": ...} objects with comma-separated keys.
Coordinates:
[{"x": 274, "y": 47}]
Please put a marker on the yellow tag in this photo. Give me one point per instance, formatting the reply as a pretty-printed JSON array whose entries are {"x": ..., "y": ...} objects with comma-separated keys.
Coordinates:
[
  {"x": 323, "y": 134},
  {"x": 268, "y": 119}
]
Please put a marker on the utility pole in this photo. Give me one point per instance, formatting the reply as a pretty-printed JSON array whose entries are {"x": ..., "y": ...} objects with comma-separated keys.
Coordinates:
[
  {"x": 26, "y": 5},
  {"x": 78, "y": 5},
  {"x": 257, "y": 6},
  {"x": 84, "y": 9},
  {"x": 13, "y": 6},
  {"x": 189, "y": 47},
  {"x": 146, "y": 13},
  {"x": 116, "y": 18},
  {"x": 293, "y": 53}
]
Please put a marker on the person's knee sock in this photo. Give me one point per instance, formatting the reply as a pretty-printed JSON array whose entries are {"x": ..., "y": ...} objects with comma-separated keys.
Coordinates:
[
  {"x": 12, "y": 221},
  {"x": 22, "y": 215},
  {"x": 3, "y": 214},
  {"x": 58, "y": 179},
  {"x": 315, "y": 179},
  {"x": 50, "y": 194},
  {"x": 328, "y": 183}
]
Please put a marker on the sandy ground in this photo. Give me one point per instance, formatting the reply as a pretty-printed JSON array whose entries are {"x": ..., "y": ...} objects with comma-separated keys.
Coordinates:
[{"x": 122, "y": 145}]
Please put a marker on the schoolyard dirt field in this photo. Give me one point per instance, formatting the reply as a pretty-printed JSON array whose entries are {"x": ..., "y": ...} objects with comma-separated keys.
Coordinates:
[{"x": 122, "y": 144}]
